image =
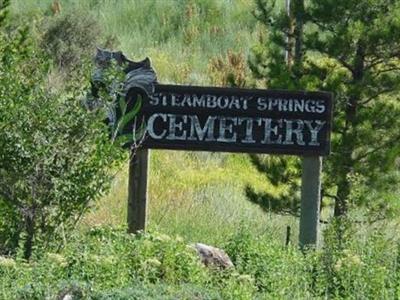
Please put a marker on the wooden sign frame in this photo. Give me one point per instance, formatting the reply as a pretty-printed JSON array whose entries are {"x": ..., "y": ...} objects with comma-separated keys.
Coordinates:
[{"x": 242, "y": 120}]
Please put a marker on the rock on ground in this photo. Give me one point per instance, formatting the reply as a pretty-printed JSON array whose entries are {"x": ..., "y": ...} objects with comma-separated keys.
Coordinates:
[{"x": 211, "y": 256}]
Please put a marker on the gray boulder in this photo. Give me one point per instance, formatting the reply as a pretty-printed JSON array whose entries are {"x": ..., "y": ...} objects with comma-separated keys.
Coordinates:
[{"x": 213, "y": 257}]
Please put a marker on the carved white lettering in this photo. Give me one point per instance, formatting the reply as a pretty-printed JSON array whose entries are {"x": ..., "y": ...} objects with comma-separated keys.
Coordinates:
[
  {"x": 245, "y": 130},
  {"x": 225, "y": 129},
  {"x": 154, "y": 100},
  {"x": 269, "y": 129},
  {"x": 248, "y": 139},
  {"x": 150, "y": 126},
  {"x": 199, "y": 102},
  {"x": 261, "y": 103},
  {"x": 176, "y": 131},
  {"x": 290, "y": 132},
  {"x": 198, "y": 133},
  {"x": 320, "y": 107},
  {"x": 314, "y": 131}
]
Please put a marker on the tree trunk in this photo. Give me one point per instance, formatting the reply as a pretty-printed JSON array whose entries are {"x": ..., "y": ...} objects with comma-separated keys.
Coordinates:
[
  {"x": 289, "y": 36},
  {"x": 349, "y": 137},
  {"x": 298, "y": 7},
  {"x": 344, "y": 169},
  {"x": 341, "y": 203},
  {"x": 30, "y": 232}
]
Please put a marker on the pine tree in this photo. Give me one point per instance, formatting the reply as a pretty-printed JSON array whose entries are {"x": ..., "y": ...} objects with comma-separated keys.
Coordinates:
[{"x": 352, "y": 48}]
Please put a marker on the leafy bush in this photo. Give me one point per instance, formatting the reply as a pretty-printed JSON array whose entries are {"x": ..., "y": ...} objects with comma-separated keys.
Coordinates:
[
  {"x": 71, "y": 38},
  {"x": 113, "y": 258},
  {"x": 360, "y": 266},
  {"x": 159, "y": 292},
  {"x": 276, "y": 270},
  {"x": 55, "y": 157}
]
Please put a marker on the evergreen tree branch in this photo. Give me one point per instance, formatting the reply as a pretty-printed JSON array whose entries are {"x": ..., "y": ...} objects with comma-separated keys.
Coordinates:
[
  {"x": 8, "y": 197},
  {"x": 378, "y": 148},
  {"x": 387, "y": 70},
  {"x": 345, "y": 64},
  {"x": 377, "y": 95}
]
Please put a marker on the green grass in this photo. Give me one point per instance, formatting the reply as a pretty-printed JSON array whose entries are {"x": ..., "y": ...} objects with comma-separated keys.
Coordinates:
[
  {"x": 197, "y": 195},
  {"x": 180, "y": 36},
  {"x": 106, "y": 263}
]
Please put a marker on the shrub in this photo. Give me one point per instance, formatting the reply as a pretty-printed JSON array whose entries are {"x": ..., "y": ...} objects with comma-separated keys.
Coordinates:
[
  {"x": 228, "y": 71},
  {"x": 71, "y": 38},
  {"x": 276, "y": 270},
  {"x": 55, "y": 157}
]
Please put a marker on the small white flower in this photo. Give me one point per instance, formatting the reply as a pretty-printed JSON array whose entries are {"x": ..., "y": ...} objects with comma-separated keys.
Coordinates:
[
  {"x": 153, "y": 262},
  {"x": 163, "y": 237},
  {"x": 245, "y": 278},
  {"x": 7, "y": 262}
]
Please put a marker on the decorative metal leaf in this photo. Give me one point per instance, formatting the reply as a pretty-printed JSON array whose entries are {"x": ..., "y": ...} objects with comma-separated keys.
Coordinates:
[
  {"x": 122, "y": 105},
  {"x": 142, "y": 78},
  {"x": 139, "y": 76},
  {"x": 129, "y": 116}
]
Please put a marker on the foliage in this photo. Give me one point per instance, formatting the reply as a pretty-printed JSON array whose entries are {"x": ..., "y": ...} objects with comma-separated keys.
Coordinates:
[
  {"x": 114, "y": 265},
  {"x": 159, "y": 292},
  {"x": 279, "y": 171},
  {"x": 350, "y": 48},
  {"x": 360, "y": 265},
  {"x": 229, "y": 71},
  {"x": 55, "y": 157},
  {"x": 180, "y": 36},
  {"x": 71, "y": 38},
  {"x": 273, "y": 269}
]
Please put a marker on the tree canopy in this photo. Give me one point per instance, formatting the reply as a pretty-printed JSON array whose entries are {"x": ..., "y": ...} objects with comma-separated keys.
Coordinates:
[{"x": 351, "y": 48}]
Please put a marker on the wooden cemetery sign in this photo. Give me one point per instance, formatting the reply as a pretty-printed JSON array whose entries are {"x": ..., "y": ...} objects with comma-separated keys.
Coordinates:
[
  {"x": 237, "y": 120},
  {"x": 215, "y": 119}
]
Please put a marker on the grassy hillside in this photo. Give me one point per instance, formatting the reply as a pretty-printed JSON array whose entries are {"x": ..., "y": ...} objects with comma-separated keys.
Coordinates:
[{"x": 180, "y": 36}]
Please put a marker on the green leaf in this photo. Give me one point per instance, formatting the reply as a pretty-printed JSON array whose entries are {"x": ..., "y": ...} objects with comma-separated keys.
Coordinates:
[
  {"x": 123, "y": 139},
  {"x": 141, "y": 131}
]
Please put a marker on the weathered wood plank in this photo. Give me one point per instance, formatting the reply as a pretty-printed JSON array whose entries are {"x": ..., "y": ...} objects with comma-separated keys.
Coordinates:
[
  {"x": 310, "y": 202},
  {"x": 137, "y": 190}
]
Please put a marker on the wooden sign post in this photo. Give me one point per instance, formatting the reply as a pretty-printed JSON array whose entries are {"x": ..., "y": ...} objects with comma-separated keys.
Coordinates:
[
  {"x": 137, "y": 190},
  {"x": 310, "y": 201},
  {"x": 236, "y": 120}
]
